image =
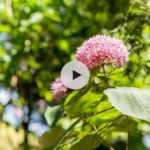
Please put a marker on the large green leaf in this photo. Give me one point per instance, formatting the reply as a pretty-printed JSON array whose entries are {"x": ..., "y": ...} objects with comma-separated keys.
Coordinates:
[
  {"x": 51, "y": 138},
  {"x": 83, "y": 104},
  {"x": 131, "y": 101},
  {"x": 89, "y": 142}
]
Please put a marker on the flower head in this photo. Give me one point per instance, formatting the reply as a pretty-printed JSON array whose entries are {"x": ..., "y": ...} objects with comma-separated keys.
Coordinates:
[
  {"x": 102, "y": 49},
  {"x": 58, "y": 89}
]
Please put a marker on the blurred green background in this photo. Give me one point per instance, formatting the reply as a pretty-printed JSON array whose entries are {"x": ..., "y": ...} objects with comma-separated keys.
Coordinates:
[{"x": 37, "y": 37}]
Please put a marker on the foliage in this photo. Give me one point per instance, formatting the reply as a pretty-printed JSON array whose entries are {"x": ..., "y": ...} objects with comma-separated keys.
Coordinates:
[
  {"x": 37, "y": 37},
  {"x": 130, "y": 101}
]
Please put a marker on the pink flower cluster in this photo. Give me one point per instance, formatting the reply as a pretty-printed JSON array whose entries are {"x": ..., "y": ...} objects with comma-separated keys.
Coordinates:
[
  {"x": 58, "y": 89},
  {"x": 94, "y": 52},
  {"x": 102, "y": 49}
]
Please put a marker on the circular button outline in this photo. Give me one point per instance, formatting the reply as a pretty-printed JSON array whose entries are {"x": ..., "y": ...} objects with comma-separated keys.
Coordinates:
[{"x": 66, "y": 75}]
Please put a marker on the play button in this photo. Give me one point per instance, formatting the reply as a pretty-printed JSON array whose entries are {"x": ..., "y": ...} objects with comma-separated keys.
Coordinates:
[{"x": 75, "y": 75}]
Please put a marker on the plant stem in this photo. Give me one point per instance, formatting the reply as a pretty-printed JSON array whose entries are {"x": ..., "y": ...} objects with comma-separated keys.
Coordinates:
[
  {"x": 106, "y": 143},
  {"x": 97, "y": 113},
  {"x": 103, "y": 110},
  {"x": 128, "y": 131},
  {"x": 66, "y": 133},
  {"x": 78, "y": 95},
  {"x": 102, "y": 140},
  {"x": 106, "y": 80},
  {"x": 99, "y": 131}
]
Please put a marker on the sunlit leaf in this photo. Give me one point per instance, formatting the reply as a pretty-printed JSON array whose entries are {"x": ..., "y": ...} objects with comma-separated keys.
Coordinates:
[
  {"x": 131, "y": 101},
  {"x": 51, "y": 113},
  {"x": 83, "y": 104}
]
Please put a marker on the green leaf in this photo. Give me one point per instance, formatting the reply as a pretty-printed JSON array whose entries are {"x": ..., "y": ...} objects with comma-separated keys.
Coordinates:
[
  {"x": 89, "y": 142},
  {"x": 82, "y": 104},
  {"x": 53, "y": 15},
  {"x": 51, "y": 138},
  {"x": 103, "y": 117},
  {"x": 131, "y": 101},
  {"x": 51, "y": 113}
]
